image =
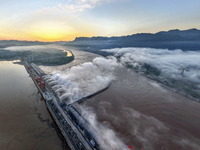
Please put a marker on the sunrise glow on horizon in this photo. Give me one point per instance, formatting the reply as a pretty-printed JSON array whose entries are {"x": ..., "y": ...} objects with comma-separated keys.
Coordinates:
[{"x": 63, "y": 20}]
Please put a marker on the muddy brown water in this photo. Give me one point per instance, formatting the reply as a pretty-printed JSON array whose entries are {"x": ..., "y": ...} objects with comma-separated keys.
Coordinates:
[
  {"x": 24, "y": 120},
  {"x": 146, "y": 115},
  {"x": 141, "y": 112}
]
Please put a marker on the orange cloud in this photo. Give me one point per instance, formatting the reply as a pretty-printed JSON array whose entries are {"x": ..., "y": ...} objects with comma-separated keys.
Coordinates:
[{"x": 54, "y": 8}]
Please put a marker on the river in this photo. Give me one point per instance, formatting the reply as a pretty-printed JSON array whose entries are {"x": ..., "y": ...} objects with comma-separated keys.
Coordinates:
[{"x": 141, "y": 112}]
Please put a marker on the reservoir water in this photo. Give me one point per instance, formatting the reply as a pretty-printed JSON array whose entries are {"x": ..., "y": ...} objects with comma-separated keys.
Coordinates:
[{"x": 24, "y": 120}]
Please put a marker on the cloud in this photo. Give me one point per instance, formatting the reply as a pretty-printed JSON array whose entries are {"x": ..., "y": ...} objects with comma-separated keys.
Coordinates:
[
  {"x": 151, "y": 132},
  {"x": 146, "y": 131},
  {"x": 106, "y": 137},
  {"x": 167, "y": 61},
  {"x": 54, "y": 8},
  {"x": 165, "y": 65},
  {"x": 76, "y": 8},
  {"x": 85, "y": 79},
  {"x": 141, "y": 131},
  {"x": 72, "y": 7},
  {"x": 47, "y": 48},
  {"x": 43, "y": 12},
  {"x": 79, "y": 81}
]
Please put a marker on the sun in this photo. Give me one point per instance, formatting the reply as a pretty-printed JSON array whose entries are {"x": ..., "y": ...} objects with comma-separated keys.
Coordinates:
[{"x": 49, "y": 31}]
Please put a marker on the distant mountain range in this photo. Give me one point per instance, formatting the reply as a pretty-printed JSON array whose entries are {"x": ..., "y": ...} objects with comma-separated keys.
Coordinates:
[
  {"x": 8, "y": 43},
  {"x": 172, "y": 39}
]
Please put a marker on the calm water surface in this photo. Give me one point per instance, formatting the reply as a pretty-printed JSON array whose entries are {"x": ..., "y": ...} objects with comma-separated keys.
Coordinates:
[{"x": 24, "y": 120}]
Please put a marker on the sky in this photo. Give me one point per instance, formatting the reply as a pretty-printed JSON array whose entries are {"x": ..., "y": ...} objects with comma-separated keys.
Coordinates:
[{"x": 64, "y": 20}]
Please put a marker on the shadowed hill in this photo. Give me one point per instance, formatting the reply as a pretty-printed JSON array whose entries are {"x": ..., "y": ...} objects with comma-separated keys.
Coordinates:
[
  {"x": 9, "y": 43},
  {"x": 172, "y": 39}
]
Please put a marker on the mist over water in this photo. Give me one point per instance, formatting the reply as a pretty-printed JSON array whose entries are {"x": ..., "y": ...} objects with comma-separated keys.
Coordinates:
[
  {"x": 80, "y": 58},
  {"x": 146, "y": 115},
  {"x": 177, "y": 69},
  {"x": 80, "y": 81},
  {"x": 85, "y": 79},
  {"x": 167, "y": 61},
  {"x": 134, "y": 110},
  {"x": 37, "y": 48}
]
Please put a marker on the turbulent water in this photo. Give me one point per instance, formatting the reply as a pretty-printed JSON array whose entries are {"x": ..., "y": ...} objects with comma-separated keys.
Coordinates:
[
  {"x": 147, "y": 116},
  {"x": 139, "y": 111},
  {"x": 135, "y": 110}
]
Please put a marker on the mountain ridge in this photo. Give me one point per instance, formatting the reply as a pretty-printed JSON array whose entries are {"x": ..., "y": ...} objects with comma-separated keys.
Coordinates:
[
  {"x": 172, "y": 39},
  {"x": 193, "y": 31}
]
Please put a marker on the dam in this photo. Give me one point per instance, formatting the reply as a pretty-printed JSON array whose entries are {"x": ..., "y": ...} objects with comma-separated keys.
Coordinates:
[{"x": 75, "y": 129}]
